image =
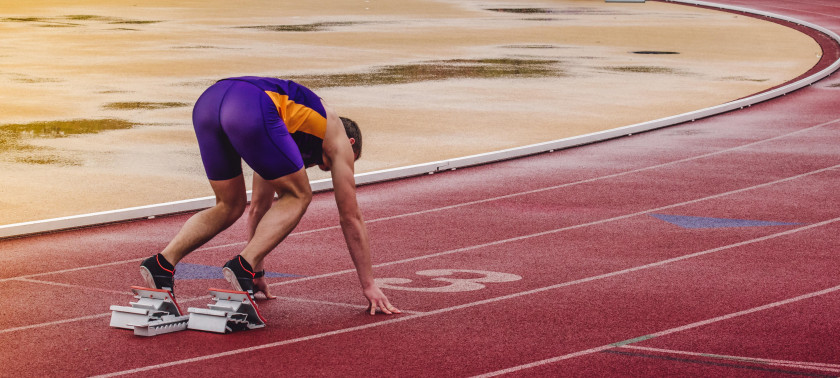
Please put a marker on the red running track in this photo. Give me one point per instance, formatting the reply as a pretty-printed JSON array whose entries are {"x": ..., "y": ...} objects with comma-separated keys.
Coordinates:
[{"x": 705, "y": 249}]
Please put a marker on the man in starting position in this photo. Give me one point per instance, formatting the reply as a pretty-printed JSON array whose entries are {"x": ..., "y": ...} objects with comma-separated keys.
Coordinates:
[{"x": 279, "y": 128}]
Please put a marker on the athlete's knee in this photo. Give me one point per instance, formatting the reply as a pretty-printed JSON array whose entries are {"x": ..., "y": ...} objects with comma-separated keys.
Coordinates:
[
  {"x": 232, "y": 209},
  {"x": 308, "y": 197},
  {"x": 259, "y": 207},
  {"x": 305, "y": 196},
  {"x": 294, "y": 189},
  {"x": 301, "y": 195}
]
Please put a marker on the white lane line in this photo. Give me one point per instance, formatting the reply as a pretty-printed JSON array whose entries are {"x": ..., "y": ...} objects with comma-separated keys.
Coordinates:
[
  {"x": 763, "y": 361},
  {"x": 657, "y": 334},
  {"x": 481, "y": 201},
  {"x": 74, "y": 286},
  {"x": 549, "y": 232},
  {"x": 335, "y": 304},
  {"x": 517, "y": 295},
  {"x": 339, "y": 304},
  {"x": 56, "y": 322},
  {"x": 73, "y": 269}
]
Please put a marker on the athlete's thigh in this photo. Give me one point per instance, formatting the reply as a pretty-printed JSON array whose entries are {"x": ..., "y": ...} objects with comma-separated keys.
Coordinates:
[{"x": 231, "y": 192}]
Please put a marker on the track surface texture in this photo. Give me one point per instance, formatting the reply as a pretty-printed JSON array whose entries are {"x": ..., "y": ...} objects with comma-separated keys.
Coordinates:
[{"x": 703, "y": 249}]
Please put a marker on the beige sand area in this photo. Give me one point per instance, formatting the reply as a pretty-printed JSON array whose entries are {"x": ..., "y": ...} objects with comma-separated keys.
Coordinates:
[{"x": 426, "y": 79}]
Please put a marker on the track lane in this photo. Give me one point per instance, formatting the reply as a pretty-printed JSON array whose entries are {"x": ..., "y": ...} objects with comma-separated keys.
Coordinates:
[{"x": 502, "y": 251}]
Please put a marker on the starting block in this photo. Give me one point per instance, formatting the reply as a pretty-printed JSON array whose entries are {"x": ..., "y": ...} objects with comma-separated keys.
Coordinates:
[
  {"x": 154, "y": 313},
  {"x": 231, "y": 311}
]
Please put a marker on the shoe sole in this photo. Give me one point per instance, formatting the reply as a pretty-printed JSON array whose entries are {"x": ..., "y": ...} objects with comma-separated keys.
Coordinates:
[
  {"x": 231, "y": 278},
  {"x": 147, "y": 276}
]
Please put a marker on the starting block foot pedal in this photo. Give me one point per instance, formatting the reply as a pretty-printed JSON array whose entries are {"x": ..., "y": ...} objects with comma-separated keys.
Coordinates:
[
  {"x": 231, "y": 311},
  {"x": 154, "y": 313}
]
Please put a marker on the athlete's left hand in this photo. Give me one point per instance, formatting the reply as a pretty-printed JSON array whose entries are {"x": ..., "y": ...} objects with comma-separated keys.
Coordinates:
[
  {"x": 378, "y": 300},
  {"x": 261, "y": 286}
]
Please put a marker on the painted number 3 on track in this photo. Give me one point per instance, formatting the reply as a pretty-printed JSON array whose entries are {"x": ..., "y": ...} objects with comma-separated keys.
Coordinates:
[{"x": 444, "y": 275}]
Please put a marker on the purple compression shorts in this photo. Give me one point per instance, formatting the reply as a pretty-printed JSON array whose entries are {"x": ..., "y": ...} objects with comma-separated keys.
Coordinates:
[{"x": 235, "y": 119}]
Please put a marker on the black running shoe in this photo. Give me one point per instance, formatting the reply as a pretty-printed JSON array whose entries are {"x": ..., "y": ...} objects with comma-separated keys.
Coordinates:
[
  {"x": 240, "y": 274},
  {"x": 158, "y": 273}
]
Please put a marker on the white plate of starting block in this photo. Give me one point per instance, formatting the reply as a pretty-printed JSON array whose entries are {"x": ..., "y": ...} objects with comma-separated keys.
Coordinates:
[
  {"x": 155, "y": 312},
  {"x": 231, "y": 311}
]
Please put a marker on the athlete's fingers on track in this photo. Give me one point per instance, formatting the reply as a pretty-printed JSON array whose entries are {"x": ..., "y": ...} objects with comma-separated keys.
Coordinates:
[
  {"x": 269, "y": 295},
  {"x": 262, "y": 286},
  {"x": 383, "y": 307},
  {"x": 391, "y": 308},
  {"x": 378, "y": 305}
]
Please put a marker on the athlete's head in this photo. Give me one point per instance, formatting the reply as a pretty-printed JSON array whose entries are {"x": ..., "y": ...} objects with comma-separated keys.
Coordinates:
[{"x": 355, "y": 135}]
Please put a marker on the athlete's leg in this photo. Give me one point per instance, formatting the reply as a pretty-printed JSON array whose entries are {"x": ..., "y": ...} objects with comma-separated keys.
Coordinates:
[
  {"x": 262, "y": 196},
  {"x": 224, "y": 170},
  {"x": 281, "y": 218},
  {"x": 256, "y": 131},
  {"x": 203, "y": 226}
]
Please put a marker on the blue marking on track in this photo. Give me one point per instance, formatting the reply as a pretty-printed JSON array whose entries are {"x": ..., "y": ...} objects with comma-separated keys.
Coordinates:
[
  {"x": 704, "y": 222},
  {"x": 184, "y": 271}
]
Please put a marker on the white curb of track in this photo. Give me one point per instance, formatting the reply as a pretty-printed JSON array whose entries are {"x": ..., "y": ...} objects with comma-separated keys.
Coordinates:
[{"x": 84, "y": 220}]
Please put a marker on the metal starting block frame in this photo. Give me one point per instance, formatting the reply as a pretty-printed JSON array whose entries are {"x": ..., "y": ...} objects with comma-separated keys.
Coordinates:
[
  {"x": 231, "y": 311},
  {"x": 154, "y": 313}
]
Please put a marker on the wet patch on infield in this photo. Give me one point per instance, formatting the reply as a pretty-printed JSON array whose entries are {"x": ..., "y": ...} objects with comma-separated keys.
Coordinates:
[
  {"x": 14, "y": 146},
  {"x": 743, "y": 78},
  {"x": 109, "y": 20},
  {"x": 438, "y": 70},
  {"x": 36, "y": 80},
  {"x": 56, "y": 129},
  {"x": 144, "y": 105},
  {"x": 535, "y": 46},
  {"x": 42, "y": 156},
  {"x": 524, "y": 10},
  {"x": 304, "y": 28},
  {"x": 541, "y": 19},
  {"x": 642, "y": 69},
  {"x": 563, "y": 11},
  {"x": 75, "y": 20},
  {"x": 656, "y": 52}
]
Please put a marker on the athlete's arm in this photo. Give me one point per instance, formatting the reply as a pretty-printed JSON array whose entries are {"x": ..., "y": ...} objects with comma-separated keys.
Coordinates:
[{"x": 338, "y": 156}]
